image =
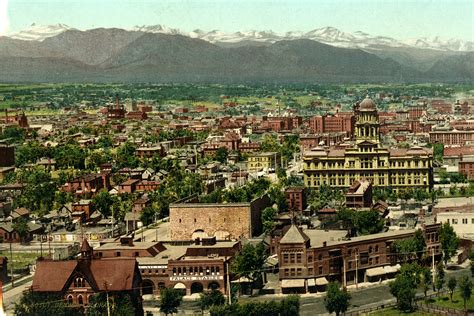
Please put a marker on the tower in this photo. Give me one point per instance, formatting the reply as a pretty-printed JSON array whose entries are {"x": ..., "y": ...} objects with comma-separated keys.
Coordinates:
[{"x": 367, "y": 126}]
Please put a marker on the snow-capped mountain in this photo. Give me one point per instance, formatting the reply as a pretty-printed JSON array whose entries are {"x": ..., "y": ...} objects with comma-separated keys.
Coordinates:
[
  {"x": 327, "y": 35},
  {"x": 40, "y": 32}
]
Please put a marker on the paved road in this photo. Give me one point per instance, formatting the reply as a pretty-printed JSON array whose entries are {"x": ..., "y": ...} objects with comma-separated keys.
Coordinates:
[{"x": 13, "y": 295}]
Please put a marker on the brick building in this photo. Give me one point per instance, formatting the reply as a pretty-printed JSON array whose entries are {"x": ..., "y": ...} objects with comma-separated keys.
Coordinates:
[
  {"x": 453, "y": 137},
  {"x": 466, "y": 167},
  {"x": 309, "y": 259},
  {"x": 359, "y": 194},
  {"x": 77, "y": 280},
  {"x": 340, "y": 122},
  {"x": 296, "y": 198},
  {"x": 191, "y": 267},
  {"x": 189, "y": 221}
]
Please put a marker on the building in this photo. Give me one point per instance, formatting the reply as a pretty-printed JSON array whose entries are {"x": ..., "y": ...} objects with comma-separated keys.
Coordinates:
[
  {"x": 7, "y": 156},
  {"x": 309, "y": 259},
  {"x": 296, "y": 198},
  {"x": 117, "y": 112},
  {"x": 341, "y": 166},
  {"x": 264, "y": 161},
  {"x": 225, "y": 221},
  {"x": 340, "y": 122},
  {"x": 77, "y": 280},
  {"x": 88, "y": 184},
  {"x": 453, "y": 137},
  {"x": 461, "y": 221},
  {"x": 192, "y": 266},
  {"x": 466, "y": 167},
  {"x": 359, "y": 194}
]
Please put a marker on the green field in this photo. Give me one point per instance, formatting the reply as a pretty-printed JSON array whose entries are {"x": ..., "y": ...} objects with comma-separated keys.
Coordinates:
[
  {"x": 21, "y": 259},
  {"x": 457, "y": 302}
]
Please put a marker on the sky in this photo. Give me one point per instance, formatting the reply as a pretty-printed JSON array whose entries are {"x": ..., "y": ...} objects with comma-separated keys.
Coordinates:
[{"x": 401, "y": 19}]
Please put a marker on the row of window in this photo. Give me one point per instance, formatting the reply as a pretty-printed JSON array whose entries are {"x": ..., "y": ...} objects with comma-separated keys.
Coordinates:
[
  {"x": 464, "y": 221},
  {"x": 196, "y": 271}
]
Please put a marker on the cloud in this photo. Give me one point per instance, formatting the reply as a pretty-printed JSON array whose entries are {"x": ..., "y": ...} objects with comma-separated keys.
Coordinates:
[{"x": 4, "y": 23}]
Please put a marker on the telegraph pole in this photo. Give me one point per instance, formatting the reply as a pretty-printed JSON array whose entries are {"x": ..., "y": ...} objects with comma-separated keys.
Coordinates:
[
  {"x": 357, "y": 270},
  {"x": 344, "y": 267},
  {"x": 228, "y": 283},
  {"x": 11, "y": 264},
  {"x": 107, "y": 294},
  {"x": 433, "y": 265}
]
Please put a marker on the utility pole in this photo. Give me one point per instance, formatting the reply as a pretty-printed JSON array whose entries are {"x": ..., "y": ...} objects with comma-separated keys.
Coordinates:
[
  {"x": 357, "y": 270},
  {"x": 107, "y": 294},
  {"x": 344, "y": 267},
  {"x": 433, "y": 265},
  {"x": 229, "y": 291},
  {"x": 11, "y": 264},
  {"x": 156, "y": 229}
]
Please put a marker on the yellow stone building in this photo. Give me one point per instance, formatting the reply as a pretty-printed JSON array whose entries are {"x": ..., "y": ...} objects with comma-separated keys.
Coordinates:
[
  {"x": 263, "y": 161},
  {"x": 385, "y": 167}
]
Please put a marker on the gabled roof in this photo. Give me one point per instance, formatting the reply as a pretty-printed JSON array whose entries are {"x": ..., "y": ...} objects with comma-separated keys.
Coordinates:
[{"x": 294, "y": 236}]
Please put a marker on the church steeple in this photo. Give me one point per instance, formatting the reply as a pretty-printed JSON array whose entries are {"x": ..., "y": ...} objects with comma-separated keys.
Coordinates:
[{"x": 86, "y": 251}]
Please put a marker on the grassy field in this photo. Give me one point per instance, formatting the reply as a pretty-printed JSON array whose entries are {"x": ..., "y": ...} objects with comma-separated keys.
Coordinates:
[
  {"x": 21, "y": 259},
  {"x": 457, "y": 302}
]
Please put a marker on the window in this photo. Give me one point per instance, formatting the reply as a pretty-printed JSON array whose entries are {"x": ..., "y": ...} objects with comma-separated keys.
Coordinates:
[
  {"x": 287, "y": 272},
  {"x": 299, "y": 272},
  {"x": 137, "y": 254},
  {"x": 195, "y": 220},
  {"x": 69, "y": 299},
  {"x": 80, "y": 300},
  {"x": 298, "y": 258},
  {"x": 117, "y": 254},
  {"x": 376, "y": 248},
  {"x": 320, "y": 270},
  {"x": 320, "y": 257},
  {"x": 455, "y": 220},
  {"x": 180, "y": 220},
  {"x": 286, "y": 258},
  {"x": 464, "y": 220}
]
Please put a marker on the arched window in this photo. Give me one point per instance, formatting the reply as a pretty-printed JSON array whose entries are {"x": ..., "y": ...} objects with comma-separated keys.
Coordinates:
[
  {"x": 69, "y": 299},
  {"x": 320, "y": 257},
  {"x": 80, "y": 301}
]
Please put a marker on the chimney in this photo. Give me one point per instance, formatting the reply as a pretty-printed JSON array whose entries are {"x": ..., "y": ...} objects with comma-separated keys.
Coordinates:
[{"x": 325, "y": 243}]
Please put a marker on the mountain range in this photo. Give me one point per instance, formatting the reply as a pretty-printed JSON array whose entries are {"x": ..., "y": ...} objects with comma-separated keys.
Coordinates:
[{"x": 160, "y": 54}]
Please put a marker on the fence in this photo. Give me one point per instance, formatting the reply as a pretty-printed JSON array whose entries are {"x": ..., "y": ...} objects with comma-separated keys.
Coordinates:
[
  {"x": 439, "y": 310},
  {"x": 370, "y": 309}
]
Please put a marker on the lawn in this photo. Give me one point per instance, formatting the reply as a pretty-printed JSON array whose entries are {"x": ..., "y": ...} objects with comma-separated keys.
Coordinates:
[
  {"x": 457, "y": 302},
  {"x": 21, "y": 259}
]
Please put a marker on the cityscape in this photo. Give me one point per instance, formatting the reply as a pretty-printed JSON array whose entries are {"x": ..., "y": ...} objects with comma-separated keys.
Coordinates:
[{"x": 204, "y": 169}]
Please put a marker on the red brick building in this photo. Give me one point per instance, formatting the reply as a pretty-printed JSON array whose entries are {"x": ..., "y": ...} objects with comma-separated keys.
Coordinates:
[
  {"x": 77, "y": 280},
  {"x": 452, "y": 137},
  {"x": 340, "y": 122},
  {"x": 296, "y": 198}
]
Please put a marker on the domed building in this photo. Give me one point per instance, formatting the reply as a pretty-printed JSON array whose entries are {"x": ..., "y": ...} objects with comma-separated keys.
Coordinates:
[{"x": 396, "y": 168}]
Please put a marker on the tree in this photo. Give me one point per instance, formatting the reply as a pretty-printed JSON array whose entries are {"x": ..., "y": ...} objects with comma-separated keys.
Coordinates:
[
  {"x": 147, "y": 215},
  {"x": 268, "y": 221},
  {"x": 465, "y": 289},
  {"x": 440, "y": 275},
  {"x": 452, "y": 286},
  {"x": 410, "y": 248},
  {"x": 368, "y": 222},
  {"x": 211, "y": 298},
  {"x": 221, "y": 154},
  {"x": 103, "y": 202},
  {"x": 425, "y": 280},
  {"x": 170, "y": 299},
  {"x": 449, "y": 241},
  {"x": 438, "y": 151},
  {"x": 249, "y": 261},
  {"x": 336, "y": 300},
  {"x": 20, "y": 225},
  {"x": 119, "y": 304},
  {"x": 403, "y": 288}
]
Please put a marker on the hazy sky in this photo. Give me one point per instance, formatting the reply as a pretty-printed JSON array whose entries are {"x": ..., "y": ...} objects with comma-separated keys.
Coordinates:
[{"x": 401, "y": 19}]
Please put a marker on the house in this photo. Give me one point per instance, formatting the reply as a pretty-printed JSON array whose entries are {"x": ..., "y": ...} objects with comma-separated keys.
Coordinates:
[
  {"x": 82, "y": 209},
  {"x": 9, "y": 234},
  {"x": 359, "y": 194},
  {"x": 129, "y": 186},
  {"x": 78, "y": 280}
]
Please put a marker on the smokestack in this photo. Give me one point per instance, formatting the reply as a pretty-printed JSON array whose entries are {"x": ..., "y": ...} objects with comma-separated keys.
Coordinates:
[{"x": 117, "y": 102}]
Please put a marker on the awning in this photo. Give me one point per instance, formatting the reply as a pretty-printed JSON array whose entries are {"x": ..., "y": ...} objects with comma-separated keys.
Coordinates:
[
  {"x": 392, "y": 269},
  {"x": 321, "y": 281},
  {"x": 292, "y": 283},
  {"x": 180, "y": 286},
  {"x": 375, "y": 271},
  {"x": 311, "y": 282},
  {"x": 242, "y": 280}
]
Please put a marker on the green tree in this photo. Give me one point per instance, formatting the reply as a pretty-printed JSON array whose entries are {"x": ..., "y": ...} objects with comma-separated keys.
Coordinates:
[
  {"x": 268, "y": 219},
  {"x": 403, "y": 288},
  {"x": 368, "y": 222},
  {"x": 425, "y": 280},
  {"x": 170, "y": 299},
  {"x": 119, "y": 304},
  {"x": 249, "y": 261},
  {"x": 103, "y": 202},
  {"x": 336, "y": 300},
  {"x": 465, "y": 289},
  {"x": 20, "y": 225},
  {"x": 221, "y": 154},
  {"x": 438, "y": 151},
  {"x": 449, "y": 241},
  {"x": 410, "y": 248},
  {"x": 440, "y": 276},
  {"x": 452, "y": 282},
  {"x": 148, "y": 215},
  {"x": 125, "y": 157},
  {"x": 211, "y": 298}
]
